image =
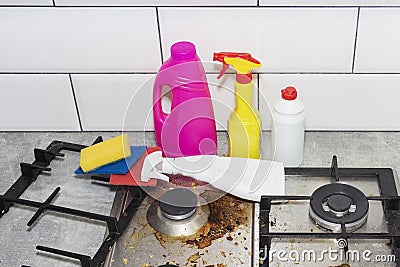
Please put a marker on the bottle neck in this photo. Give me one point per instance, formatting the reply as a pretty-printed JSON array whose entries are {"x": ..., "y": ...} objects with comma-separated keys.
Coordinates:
[
  {"x": 244, "y": 96},
  {"x": 244, "y": 78}
]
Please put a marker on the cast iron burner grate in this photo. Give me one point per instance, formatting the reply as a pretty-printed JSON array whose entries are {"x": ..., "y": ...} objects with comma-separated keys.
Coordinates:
[
  {"x": 30, "y": 172},
  {"x": 388, "y": 197},
  {"x": 337, "y": 204}
]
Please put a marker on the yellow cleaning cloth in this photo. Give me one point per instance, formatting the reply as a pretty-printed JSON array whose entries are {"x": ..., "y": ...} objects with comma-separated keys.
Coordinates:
[{"x": 105, "y": 152}]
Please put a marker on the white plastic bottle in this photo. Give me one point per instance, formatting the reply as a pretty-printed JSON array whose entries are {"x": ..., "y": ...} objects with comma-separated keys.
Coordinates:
[{"x": 288, "y": 129}]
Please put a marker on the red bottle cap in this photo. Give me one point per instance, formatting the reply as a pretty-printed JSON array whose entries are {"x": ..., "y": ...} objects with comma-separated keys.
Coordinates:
[{"x": 289, "y": 93}]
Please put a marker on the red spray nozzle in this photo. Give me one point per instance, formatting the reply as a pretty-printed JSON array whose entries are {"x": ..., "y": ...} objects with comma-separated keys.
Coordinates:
[
  {"x": 220, "y": 56},
  {"x": 242, "y": 63}
]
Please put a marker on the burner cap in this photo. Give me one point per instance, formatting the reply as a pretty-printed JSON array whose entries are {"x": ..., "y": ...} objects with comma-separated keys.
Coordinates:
[
  {"x": 178, "y": 204},
  {"x": 339, "y": 203},
  {"x": 334, "y": 204},
  {"x": 176, "y": 213}
]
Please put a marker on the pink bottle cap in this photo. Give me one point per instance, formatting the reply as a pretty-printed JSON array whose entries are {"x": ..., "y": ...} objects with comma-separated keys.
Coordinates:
[{"x": 183, "y": 51}]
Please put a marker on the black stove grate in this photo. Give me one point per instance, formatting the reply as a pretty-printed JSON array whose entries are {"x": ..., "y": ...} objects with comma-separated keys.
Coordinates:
[
  {"x": 30, "y": 172},
  {"x": 389, "y": 198}
]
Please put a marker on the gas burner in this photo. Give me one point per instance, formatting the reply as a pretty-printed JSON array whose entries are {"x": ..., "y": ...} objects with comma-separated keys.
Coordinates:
[
  {"x": 177, "y": 213},
  {"x": 178, "y": 204},
  {"x": 335, "y": 204}
]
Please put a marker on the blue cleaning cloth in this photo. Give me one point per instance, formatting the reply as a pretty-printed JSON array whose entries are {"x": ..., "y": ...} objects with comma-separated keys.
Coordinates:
[{"x": 119, "y": 167}]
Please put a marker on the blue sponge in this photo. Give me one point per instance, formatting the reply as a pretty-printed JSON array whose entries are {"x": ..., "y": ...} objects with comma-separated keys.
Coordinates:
[{"x": 119, "y": 167}]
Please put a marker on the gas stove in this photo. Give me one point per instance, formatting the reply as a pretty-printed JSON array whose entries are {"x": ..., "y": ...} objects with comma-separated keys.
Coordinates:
[
  {"x": 329, "y": 217},
  {"x": 332, "y": 217}
]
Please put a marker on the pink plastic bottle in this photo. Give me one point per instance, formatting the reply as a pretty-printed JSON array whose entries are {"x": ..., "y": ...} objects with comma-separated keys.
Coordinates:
[{"x": 189, "y": 129}]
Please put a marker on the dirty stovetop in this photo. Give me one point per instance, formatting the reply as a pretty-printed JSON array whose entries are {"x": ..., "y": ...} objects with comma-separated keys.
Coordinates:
[
  {"x": 225, "y": 240},
  {"x": 354, "y": 149}
]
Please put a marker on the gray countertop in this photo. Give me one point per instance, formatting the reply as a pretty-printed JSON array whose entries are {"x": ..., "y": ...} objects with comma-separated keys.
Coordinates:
[{"x": 354, "y": 149}]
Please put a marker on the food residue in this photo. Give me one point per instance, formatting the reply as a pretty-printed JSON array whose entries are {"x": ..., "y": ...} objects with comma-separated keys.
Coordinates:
[
  {"x": 194, "y": 258},
  {"x": 226, "y": 214}
]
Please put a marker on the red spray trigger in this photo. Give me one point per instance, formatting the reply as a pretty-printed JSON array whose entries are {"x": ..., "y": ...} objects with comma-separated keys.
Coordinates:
[
  {"x": 221, "y": 58},
  {"x": 223, "y": 70}
]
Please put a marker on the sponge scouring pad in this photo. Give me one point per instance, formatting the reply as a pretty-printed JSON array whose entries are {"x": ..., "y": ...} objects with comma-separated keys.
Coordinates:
[
  {"x": 119, "y": 167},
  {"x": 105, "y": 152},
  {"x": 133, "y": 177}
]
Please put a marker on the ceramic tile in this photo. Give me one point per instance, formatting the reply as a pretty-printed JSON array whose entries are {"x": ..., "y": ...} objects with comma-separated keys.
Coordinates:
[
  {"x": 78, "y": 40},
  {"x": 26, "y": 2},
  {"x": 156, "y": 3},
  {"x": 338, "y": 102},
  {"x": 329, "y": 3},
  {"x": 114, "y": 101},
  {"x": 378, "y": 41},
  {"x": 283, "y": 39},
  {"x": 124, "y": 101},
  {"x": 37, "y": 103}
]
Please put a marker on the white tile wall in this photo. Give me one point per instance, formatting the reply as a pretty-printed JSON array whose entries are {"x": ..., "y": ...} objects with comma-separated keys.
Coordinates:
[
  {"x": 124, "y": 101},
  {"x": 78, "y": 40},
  {"x": 114, "y": 102},
  {"x": 329, "y": 3},
  {"x": 156, "y": 2},
  {"x": 378, "y": 40},
  {"x": 284, "y": 40},
  {"x": 26, "y": 2},
  {"x": 338, "y": 102},
  {"x": 112, "y": 53},
  {"x": 37, "y": 103}
]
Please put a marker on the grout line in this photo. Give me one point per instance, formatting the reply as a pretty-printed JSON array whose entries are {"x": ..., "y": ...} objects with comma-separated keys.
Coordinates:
[
  {"x": 258, "y": 3},
  {"x": 54, "y": 3},
  {"x": 299, "y": 72},
  {"x": 207, "y": 72},
  {"x": 76, "y": 102},
  {"x": 159, "y": 35},
  {"x": 355, "y": 41},
  {"x": 80, "y": 73},
  {"x": 199, "y": 6},
  {"x": 13, "y": 6},
  {"x": 390, "y": 130},
  {"x": 327, "y": 73}
]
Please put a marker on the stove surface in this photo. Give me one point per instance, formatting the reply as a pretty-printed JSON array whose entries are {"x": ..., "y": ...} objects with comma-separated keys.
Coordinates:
[
  {"x": 290, "y": 236},
  {"x": 142, "y": 246},
  {"x": 53, "y": 229},
  {"x": 355, "y": 149},
  {"x": 293, "y": 216}
]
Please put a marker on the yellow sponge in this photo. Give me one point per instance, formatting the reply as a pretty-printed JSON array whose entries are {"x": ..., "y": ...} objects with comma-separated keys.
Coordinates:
[{"x": 105, "y": 152}]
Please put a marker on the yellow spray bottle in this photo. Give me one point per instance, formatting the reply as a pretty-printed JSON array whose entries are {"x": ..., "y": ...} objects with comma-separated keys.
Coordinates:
[{"x": 244, "y": 123}]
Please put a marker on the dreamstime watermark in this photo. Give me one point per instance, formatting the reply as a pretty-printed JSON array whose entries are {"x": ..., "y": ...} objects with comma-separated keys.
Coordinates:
[{"x": 339, "y": 254}]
